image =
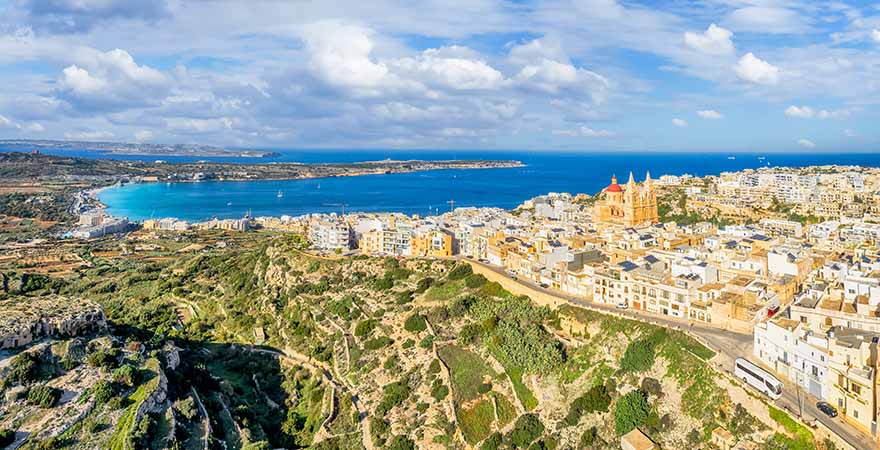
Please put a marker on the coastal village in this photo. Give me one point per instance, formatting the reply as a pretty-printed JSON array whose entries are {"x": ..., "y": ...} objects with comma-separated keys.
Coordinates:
[
  {"x": 788, "y": 256},
  {"x": 776, "y": 266}
]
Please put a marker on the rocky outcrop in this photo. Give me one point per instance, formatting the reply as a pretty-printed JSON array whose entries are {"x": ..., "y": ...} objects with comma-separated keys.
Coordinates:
[{"x": 26, "y": 319}]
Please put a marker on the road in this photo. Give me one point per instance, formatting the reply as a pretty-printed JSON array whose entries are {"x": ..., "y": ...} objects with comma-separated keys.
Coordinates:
[{"x": 728, "y": 344}]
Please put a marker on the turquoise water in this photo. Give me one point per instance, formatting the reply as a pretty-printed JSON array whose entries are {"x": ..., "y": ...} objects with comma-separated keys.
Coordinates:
[{"x": 428, "y": 192}]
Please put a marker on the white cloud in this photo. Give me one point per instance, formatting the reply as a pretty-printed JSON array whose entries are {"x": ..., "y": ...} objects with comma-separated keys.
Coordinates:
[
  {"x": 755, "y": 70},
  {"x": 88, "y": 135},
  {"x": 201, "y": 126},
  {"x": 806, "y": 143},
  {"x": 679, "y": 122},
  {"x": 34, "y": 128},
  {"x": 6, "y": 123},
  {"x": 850, "y": 133},
  {"x": 710, "y": 114},
  {"x": 802, "y": 112},
  {"x": 805, "y": 112},
  {"x": 340, "y": 54},
  {"x": 714, "y": 41},
  {"x": 109, "y": 81},
  {"x": 551, "y": 77},
  {"x": 875, "y": 34},
  {"x": 536, "y": 50},
  {"x": 451, "y": 72},
  {"x": 766, "y": 19},
  {"x": 143, "y": 135},
  {"x": 583, "y": 131}
]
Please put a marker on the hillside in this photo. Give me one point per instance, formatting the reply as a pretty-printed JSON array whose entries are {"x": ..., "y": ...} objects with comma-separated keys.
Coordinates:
[{"x": 253, "y": 344}]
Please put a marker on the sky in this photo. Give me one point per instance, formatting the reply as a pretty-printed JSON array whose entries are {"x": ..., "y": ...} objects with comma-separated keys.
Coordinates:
[{"x": 628, "y": 75}]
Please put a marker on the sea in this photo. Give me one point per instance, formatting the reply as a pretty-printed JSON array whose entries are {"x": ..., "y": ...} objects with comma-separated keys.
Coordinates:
[{"x": 422, "y": 193}]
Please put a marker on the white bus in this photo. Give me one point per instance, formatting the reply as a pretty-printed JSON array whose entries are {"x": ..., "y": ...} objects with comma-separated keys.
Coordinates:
[{"x": 758, "y": 378}]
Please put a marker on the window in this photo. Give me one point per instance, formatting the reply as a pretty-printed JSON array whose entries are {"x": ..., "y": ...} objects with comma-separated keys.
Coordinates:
[{"x": 856, "y": 389}]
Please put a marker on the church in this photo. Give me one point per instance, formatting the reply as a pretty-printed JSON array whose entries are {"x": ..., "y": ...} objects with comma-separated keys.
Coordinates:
[{"x": 630, "y": 205}]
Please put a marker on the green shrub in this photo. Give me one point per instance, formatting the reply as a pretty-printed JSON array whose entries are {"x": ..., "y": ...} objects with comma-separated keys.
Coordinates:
[
  {"x": 403, "y": 297},
  {"x": 638, "y": 357},
  {"x": 364, "y": 327},
  {"x": 126, "y": 375},
  {"x": 25, "y": 368},
  {"x": 526, "y": 429},
  {"x": 439, "y": 391},
  {"x": 415, "y": 323},
  {"x": 103, "y": 391},
  {"x": 475, "y": 281},
  {"x": 594, "y": 400},
  {"x": 460, "y": 271},
  {"x": 377, "y": 343},
  {"x": 6, "y": 437},
  {"x": 424, "y": 284},
  {"x": 261, "y": 445},
  {"x": 105, "y": 359},
  {"x": 401, "y": 443},
  {"x": 427, "y": 342},
  {"x": 493, "y": 442},
  {"x": 393, "y": 394},
  {"x": 630, "y": 412},
  {"x": 409, "y": 343},
  {"x": 43, "y": 395},
  {"x": 378, "y": 429}
]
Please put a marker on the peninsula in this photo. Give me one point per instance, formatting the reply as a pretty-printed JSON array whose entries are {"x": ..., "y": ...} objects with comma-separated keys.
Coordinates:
[
  {"x": 45, "y": 187},
  {"x": 131, "y": 148}
]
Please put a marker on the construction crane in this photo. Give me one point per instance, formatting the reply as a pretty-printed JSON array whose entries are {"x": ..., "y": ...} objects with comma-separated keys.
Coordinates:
[
  {"x": 341, "y": 205},
  {"x": 451, "y": 205}
]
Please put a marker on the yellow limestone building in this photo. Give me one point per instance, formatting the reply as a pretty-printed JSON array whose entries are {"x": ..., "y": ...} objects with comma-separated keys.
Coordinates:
[{"x": 631, "y": 205}]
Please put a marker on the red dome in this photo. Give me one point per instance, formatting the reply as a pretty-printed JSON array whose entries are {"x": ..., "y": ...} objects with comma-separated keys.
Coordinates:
[{"x": 614, "y": 187}]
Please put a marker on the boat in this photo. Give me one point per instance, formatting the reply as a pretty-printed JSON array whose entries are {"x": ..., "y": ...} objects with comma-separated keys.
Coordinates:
[
  {"x": 731, "y": 157},
  {"x": 280, "y": 194},
  {"x": 761, "y": 158},
  {"x": 228, "y": 203},
  {"x": 319, "y": 186}
]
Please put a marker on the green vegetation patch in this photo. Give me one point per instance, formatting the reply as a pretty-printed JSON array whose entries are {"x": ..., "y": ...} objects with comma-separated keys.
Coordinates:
[
  {"x": 476, "y": 420},
  {"x": 803, "y": 437},
  {"x": 467, "y": 371}
]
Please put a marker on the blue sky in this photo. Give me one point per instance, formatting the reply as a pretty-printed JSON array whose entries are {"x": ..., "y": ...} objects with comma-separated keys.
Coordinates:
[{"x": 677, "y": 75}]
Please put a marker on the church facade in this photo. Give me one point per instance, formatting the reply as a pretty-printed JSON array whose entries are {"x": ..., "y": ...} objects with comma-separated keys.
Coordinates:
[{"x": 630, "y": 205}]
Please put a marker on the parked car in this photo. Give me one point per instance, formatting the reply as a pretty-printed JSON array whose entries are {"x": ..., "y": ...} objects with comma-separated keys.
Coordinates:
[
  {"x": 826, "y": 408},
  {"x": 622, "y": 305},
  {"x": 544, "y": 285}
]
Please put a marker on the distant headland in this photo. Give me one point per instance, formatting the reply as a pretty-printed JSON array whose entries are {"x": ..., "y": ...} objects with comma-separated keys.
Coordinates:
[{"x": 134, "y": 148}]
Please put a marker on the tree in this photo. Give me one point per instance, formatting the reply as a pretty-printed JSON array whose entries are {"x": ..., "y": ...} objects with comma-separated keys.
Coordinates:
[
  {"x": 630, "y": 412},
  {"x": 526, "y": 429}
]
